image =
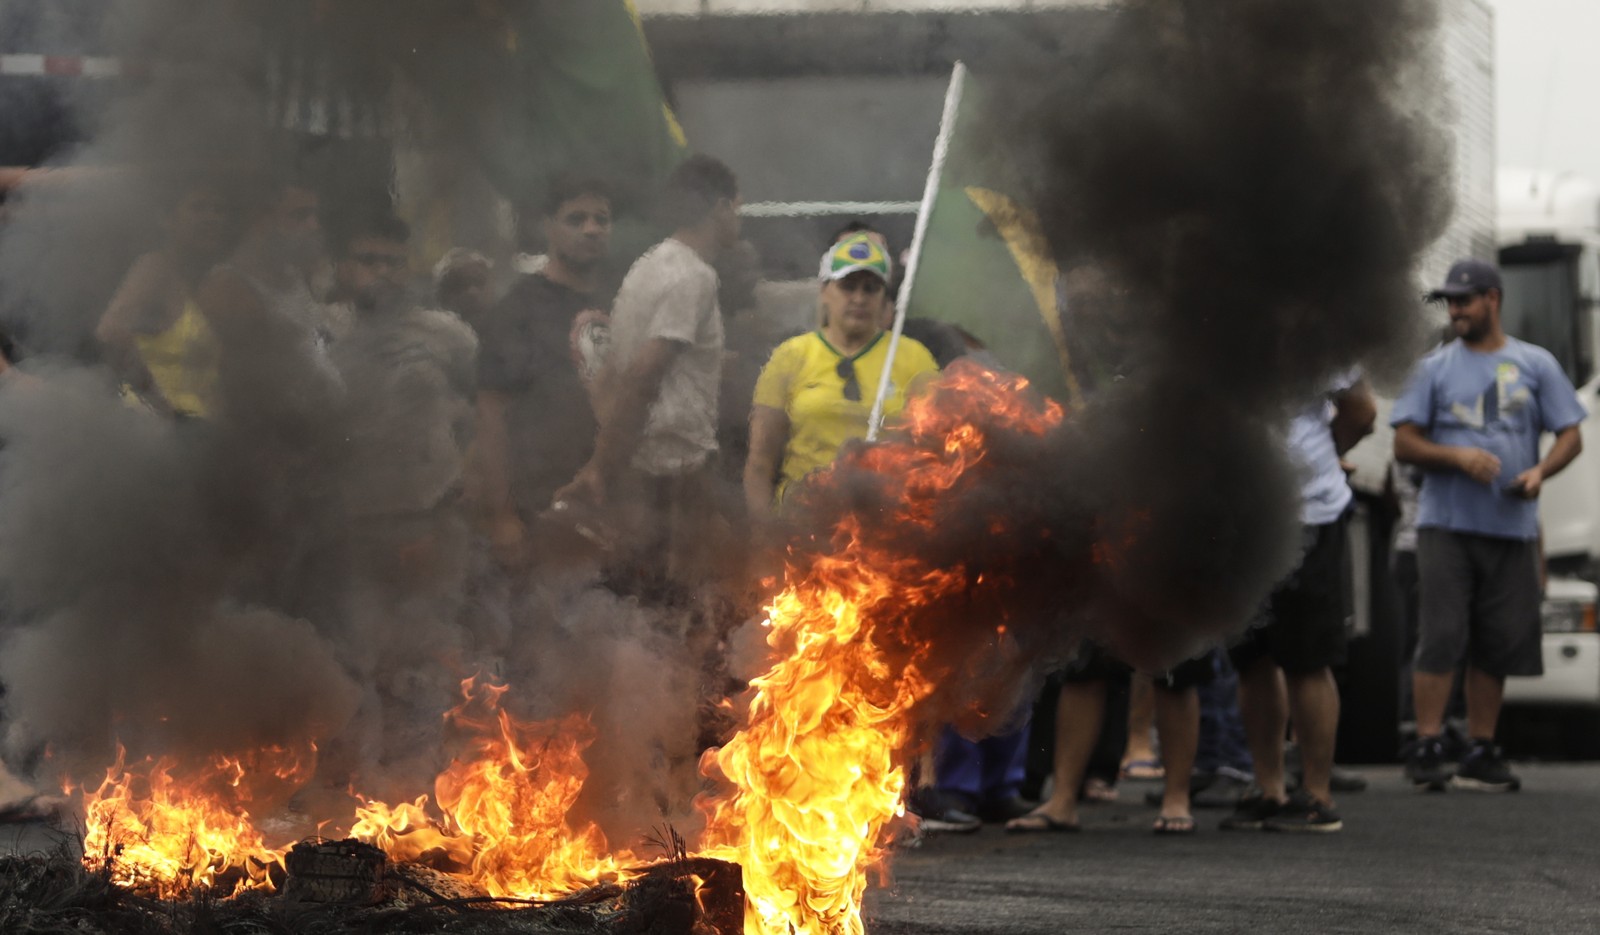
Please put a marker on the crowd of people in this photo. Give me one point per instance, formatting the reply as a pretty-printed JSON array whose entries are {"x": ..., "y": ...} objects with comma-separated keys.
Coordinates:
[{"x": 561, "y": 408}]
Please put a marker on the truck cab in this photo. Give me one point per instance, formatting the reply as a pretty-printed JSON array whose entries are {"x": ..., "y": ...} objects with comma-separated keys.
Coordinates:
[{"x": 1548, "y": 229}]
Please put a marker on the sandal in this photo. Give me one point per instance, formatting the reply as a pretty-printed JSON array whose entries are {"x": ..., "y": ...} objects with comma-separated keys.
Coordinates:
[
  {"x": 1143, "y": 769},
  {"x": 1176, "y": 824}
]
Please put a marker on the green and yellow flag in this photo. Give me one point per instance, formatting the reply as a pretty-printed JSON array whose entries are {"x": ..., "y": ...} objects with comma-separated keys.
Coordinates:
[{"x": 984, "y": 264}]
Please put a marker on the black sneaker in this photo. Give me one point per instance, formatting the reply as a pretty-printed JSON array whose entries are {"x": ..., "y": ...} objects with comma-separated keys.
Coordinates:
[
  {"x": 943, "y": 812},
  {"x": 1251, "y": 813},
  {"x": 1224, "y": 792},
  {"x": 951, "y": 821},
  {"x": 1304, "y": 813},
  {"x": 1426, "y": 767},
  {"x": 1483, "y": 769}
]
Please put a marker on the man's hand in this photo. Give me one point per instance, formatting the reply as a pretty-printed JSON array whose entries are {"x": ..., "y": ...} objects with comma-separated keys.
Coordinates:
[
  {"x": 1528, "y": 483},
  {"x": 1478, "y": 464},
  {"x": 587, "y": 487}
]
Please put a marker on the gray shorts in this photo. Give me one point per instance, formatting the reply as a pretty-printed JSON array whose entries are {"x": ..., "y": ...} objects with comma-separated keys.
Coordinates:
[{"x": 1478, "y": 601}]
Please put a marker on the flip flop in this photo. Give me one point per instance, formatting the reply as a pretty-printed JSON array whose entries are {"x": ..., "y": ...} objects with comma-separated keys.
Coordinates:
[
  {"x": 1177, "y": 824},
  {"x": 1143, "y": 769},
  {"x": 1039, "y": 823}
]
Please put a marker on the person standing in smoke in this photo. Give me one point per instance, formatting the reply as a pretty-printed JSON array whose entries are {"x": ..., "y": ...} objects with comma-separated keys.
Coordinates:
[
  {"x": 463, "y": 284},
  {"x": 276, "y": 393},
  {"x": 155, "y": 336},
  {"x": 536, "y": 422},
  {"x": 1471, "y": 418},
  {"x": 408, "y": 411},
  {"x": 1301, "y": 635},
  {"x": 657, "y": 393}
]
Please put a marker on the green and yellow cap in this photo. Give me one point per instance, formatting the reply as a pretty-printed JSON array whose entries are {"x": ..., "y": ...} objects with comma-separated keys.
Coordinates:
[{"x": 859, "y": 253}]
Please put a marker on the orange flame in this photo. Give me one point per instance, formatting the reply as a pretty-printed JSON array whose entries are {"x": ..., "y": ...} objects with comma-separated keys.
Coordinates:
[
  {"x": 819, "y": 768},
  {"x": 153, "y": 827},
  {"x": 504, "y": 805}
]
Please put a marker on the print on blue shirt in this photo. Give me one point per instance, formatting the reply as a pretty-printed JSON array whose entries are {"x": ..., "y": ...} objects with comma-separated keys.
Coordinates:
[{"x": 1500, "y": 401}]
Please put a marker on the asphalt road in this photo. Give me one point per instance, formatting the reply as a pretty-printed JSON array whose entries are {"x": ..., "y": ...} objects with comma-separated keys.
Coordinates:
[{"x": 1455, "y": 864}]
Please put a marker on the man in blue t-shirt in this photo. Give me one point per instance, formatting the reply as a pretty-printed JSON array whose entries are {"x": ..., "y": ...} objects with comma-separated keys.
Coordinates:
[{"x": 1471, "y": 418}]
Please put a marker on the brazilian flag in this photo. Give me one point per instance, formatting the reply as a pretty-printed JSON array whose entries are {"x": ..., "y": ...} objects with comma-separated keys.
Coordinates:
[
  {"x": 588, "y": 99},
  {"x": 537, "y": 88},
  {"x": 984, "y": 264}
]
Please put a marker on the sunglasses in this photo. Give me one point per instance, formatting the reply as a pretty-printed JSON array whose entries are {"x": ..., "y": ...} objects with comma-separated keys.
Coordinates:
[{"x": 852, "y": 387}]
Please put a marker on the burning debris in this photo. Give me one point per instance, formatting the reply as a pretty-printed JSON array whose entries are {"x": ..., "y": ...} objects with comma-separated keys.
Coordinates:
[{"x": 346, "y": 886}]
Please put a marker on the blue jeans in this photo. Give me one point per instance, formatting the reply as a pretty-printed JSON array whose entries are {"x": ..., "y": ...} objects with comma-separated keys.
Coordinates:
[
  {"x": 1222, "y": 740},
  {"x": 983, "y": 771}
]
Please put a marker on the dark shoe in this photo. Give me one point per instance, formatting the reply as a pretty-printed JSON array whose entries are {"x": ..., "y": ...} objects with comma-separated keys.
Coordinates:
[
  {"x": 1251, "y": 813},
  {"x": 1483, "y": 769},
  {"x": 1304, "y": 813},
  {"x": 1456, "y": 743},
  {"x": 943, "y": 812},
  {"x": 1342, "y": 780},
  {"x": 1006, "y": 809},
  {"x": 1223, "y": 792},
  {"x": 1426, "y": 767},
  {"x": 951, "y": 821}
]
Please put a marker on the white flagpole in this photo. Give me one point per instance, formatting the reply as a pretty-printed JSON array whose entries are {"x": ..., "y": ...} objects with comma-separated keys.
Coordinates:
[{"x": 941, "y": 151}]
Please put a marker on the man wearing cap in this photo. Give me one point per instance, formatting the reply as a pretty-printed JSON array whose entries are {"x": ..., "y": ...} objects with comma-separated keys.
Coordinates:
[
  {"x": 816, "y": 392},
  {"x": 1471, "y": 419}
]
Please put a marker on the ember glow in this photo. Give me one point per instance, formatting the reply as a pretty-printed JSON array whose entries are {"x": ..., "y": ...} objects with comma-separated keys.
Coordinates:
[
  {"x": 820, "y": 767},
  {"x": 155, "y": 826}
]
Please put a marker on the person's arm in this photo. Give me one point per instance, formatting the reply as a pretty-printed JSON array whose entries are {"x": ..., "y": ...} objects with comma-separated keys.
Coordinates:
[
  {"x": 1411, "y": 446},
  {"x": 626, "y": 409},
  {"x": 769, "y": 435},
  {"x": 1568, "y": 445},
  {"x": 1354, "y": 413},
  {"x": 128, "y": 314}
]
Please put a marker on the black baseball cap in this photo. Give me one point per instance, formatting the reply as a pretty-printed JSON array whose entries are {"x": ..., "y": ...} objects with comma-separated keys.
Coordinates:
[{"x": 1467, "y": 277}]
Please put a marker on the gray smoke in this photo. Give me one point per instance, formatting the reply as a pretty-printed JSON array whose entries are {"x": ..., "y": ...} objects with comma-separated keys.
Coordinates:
[{"x": 195, "y": 588}]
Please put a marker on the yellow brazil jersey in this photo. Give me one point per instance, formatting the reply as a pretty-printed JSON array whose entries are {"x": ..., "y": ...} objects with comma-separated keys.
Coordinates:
[
  {"x": 803, "y": 379},
  {"x": 182, "y": 361}
]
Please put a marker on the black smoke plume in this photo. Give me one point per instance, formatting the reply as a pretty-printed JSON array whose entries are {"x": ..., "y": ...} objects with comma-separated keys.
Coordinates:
[{"x": 1238, "y": 193}]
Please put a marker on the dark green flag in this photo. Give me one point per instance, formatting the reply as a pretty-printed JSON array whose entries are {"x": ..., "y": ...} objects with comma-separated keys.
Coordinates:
[{"x": 984, "y": 264}]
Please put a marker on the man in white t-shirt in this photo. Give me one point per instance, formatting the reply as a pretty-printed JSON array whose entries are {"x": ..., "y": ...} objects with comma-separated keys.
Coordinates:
[
  {"x": 658, "y": 390},
  {"x": 1301, "y": 634}
]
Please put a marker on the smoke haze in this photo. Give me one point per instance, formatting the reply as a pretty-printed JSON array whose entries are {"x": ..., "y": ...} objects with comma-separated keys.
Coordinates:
[{"x": 1239, "y": 189}]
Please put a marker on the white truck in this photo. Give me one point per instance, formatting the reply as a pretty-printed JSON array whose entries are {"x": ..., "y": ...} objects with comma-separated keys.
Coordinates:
[{"x": 1549, "y": 251}]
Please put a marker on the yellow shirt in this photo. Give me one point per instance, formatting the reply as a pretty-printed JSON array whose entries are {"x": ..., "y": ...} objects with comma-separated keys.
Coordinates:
[
  {"x": 182, "y": 361},
  {"x": 802, "y": 380}
]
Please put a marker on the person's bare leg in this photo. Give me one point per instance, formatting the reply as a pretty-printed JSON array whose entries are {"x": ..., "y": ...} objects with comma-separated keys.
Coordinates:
[
  {"x": 1264, "y": 707},
  {"x": 1078, "y": 714},
  {"x": 1485, "y": 693},
  {"x": 1177, "y": 716},
  {"x": 1430, "y": 692},
  {"x": 1314, "y": 703},
  {"x": 1141, "y": 717}
]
